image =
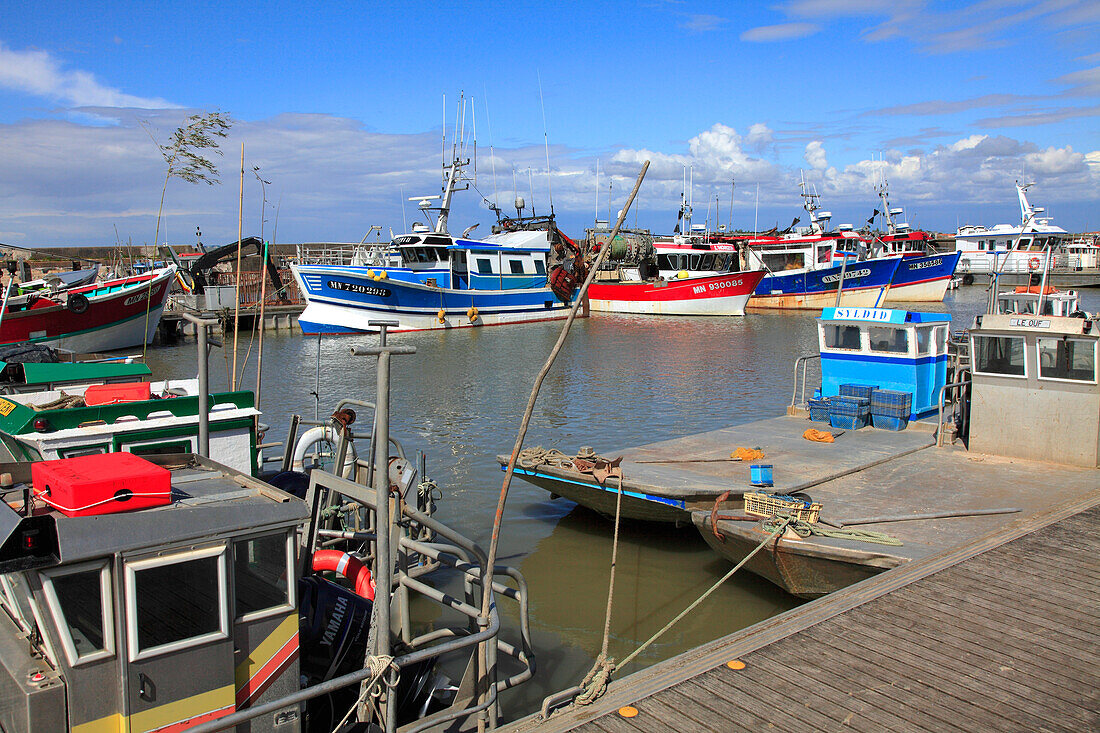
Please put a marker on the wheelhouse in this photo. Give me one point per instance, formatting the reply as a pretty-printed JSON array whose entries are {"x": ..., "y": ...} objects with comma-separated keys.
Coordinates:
[{"x": 891, "y": 349}]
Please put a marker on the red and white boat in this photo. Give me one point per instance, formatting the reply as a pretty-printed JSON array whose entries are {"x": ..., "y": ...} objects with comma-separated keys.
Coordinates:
[
  {"x": 692, "y": 275},
  {"x": 113, "y": 314}
]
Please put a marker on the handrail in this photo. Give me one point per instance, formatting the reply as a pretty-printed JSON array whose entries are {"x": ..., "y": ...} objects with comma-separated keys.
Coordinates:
[
  {"x": 943, "y": 393},
  {"x": 804, "y": 360}
]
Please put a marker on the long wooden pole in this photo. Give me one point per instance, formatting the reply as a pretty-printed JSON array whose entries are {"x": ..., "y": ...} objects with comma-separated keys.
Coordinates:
[
  {"x": 263, "y": 301},
  {"x": 237, "y": 303}
]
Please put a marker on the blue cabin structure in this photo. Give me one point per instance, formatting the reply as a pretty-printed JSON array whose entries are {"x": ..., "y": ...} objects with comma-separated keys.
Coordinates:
[{"x": 889, "y": 349}]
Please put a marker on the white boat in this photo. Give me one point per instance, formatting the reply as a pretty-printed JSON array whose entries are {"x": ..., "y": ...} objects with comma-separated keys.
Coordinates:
[{"x": 1031, "y": 246}]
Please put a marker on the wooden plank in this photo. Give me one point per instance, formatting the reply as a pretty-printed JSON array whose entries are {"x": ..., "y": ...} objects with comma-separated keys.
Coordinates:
[
  {"x": 985, "y": 698},
  {"x": 837, "y": 703},
  {"x": 1043, "y": 675},
  {"x": 757, "y": 697},
  {"x": 681, "y": 711},
  {"x": 1069, "y": 577},
  {"x": 612, "y": 723},
  {"x": 1045, "y": 596},
  {"x": 724, "y": 713},
  {"x": 977, "y": 603}
]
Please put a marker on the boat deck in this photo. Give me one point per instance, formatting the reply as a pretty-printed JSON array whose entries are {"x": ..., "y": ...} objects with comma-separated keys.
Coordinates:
[{"x": 1000, "y": 633}]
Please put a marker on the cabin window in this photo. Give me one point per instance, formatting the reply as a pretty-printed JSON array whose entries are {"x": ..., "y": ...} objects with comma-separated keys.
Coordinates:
[
  {"x": 693, "y": 263},
  {"x": 780, "y": 261},
  {"x": 261, "y": 566},
  {"x": 888, "y": 340},
  {"x": 707, "y": 263},
  {"x": 80, "y": 603},
  {"x": 539, "y": 267},
  {"x": 941, "y": 339},
  {"x": 484, "y": 265},
  {"x": 924, "y": 341},
  {"x": 1066, "y": 358},
  {"x": 824, "y": 254},
  {"x": 839, "y": 336},
  {"x": 1002, "y": 355},
  {"x": 723, "y": 262},
  {"x": 515, "y": 266},
  {"x": 176, "y": 602},
  {"x": 94, "y": 450}
]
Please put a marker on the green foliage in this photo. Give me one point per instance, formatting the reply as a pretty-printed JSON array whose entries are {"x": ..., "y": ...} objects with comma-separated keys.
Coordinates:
[{"x": 183, "y": 155}]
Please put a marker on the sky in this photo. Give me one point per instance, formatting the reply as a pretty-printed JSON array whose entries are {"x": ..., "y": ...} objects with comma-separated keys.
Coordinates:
[{"x": 342, "y": 108}]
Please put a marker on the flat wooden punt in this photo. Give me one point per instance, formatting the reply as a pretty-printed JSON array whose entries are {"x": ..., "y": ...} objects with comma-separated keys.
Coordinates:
[
  {"x": 798, "y": 463},
  {"x": 998, "y": 633}
]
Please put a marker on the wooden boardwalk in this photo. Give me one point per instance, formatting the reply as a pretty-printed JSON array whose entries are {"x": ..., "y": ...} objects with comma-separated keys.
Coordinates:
[{"x": 1002, "y": 633}]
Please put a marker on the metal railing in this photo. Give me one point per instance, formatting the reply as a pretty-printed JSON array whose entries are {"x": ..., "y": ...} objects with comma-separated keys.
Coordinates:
[
  {"x": 804, "y": 362},
  {"x": 957, "y": 387}
]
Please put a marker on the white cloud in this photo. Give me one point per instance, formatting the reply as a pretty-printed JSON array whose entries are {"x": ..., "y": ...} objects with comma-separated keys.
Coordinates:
[
  {"x": 39, "y": 73},
  {"x": 815, "y": 155},
  {"x": 760, "y": 136},
  {"x": 780, "y": 32}
]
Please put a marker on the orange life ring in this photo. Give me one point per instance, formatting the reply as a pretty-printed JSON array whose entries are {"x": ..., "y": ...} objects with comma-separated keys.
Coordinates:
[
  {"x": 1033, "y": 263},
  {"x": 350, "y": 567}
]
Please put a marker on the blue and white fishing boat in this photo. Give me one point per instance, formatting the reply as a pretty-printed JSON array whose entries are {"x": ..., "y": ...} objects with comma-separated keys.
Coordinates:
[
  {"x": 525, "y": 271},
  {"x": 805, "y": 268}
]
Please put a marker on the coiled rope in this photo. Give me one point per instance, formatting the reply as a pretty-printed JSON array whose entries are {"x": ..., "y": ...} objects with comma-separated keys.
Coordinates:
[
  {"x": 378, "y": 666},
  {"x": 805, "y": 529}
]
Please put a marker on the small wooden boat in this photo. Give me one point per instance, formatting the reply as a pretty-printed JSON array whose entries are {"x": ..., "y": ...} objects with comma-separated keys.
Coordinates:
[{"x": 113, "y": 314}]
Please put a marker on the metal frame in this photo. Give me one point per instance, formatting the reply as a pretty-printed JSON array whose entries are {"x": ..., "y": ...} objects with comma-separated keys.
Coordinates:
[
  {"x": 291, "y": 600},
  {"x": 973, "y": 354},
  {"x": 132, "y": 567},
  {"x": 107, "y": 617}
]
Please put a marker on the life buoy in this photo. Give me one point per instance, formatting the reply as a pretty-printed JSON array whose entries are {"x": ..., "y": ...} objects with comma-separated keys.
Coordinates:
[
  {"x": 77, "y": 303},
  {"x": 350, "y": 567},
  {"x": 326, "y": 434},
  {"x": 1033, "y": 263}
]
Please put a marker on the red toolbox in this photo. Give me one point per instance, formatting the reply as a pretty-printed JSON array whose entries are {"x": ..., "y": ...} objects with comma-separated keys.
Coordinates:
[
  {"x": 113, "y": 394},
  {"x": 101, "y": 484}
]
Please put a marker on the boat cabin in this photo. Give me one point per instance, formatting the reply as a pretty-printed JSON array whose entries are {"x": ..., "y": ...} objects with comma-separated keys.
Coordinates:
[
  {"x": 23, "y": 377},
  {"x": 1024, "y": 301},
  {"x": 1035, "y": 392},
  {"x": 152, "y": 619},
  {"x": 897, "y": 350},
  {"x": 795, "y": 252}
]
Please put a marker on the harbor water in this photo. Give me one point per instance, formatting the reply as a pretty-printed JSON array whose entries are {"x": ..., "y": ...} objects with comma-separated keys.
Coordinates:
[{"x": 620, "y": 381}]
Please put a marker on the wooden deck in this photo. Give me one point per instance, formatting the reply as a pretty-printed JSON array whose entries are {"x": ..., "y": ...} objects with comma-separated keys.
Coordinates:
[{"x": 1001, "y": 633}]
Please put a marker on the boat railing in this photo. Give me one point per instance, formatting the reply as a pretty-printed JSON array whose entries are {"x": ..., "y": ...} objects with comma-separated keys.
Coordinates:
[
  {"x": 804, "y": 362},
  {"x": 956, "y": 404}
]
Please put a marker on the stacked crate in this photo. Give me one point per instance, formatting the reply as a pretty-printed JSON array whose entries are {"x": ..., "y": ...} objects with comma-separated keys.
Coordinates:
[
  {"x": 890, "y": 409},
  {"x": 851, "y": 408},
  {"x": 819, "y": 409}
]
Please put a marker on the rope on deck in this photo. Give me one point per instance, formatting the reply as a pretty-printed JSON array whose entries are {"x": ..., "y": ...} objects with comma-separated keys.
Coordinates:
[{"x": 805, "y": 529}]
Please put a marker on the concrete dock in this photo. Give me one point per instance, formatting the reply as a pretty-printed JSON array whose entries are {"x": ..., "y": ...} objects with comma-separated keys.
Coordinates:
[{"x": 1001, "y": 632}]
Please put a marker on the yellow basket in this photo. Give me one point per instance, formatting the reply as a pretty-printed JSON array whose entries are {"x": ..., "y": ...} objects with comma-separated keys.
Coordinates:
[{"x": 768, "y": 505}]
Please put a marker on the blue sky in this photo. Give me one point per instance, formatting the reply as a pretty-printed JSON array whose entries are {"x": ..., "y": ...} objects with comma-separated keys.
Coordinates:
[{"x": 340, "y": 106}]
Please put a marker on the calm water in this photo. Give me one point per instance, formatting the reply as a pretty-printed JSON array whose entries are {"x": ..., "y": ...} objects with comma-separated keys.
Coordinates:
[{"x": 620, "y": 381}]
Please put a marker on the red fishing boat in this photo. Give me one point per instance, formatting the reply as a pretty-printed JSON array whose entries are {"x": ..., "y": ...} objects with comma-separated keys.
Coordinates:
[{"x": 113, "y": 314}]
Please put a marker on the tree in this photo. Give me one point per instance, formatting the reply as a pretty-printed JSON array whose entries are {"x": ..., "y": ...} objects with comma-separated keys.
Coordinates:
[{"x": 183, "y": 154}]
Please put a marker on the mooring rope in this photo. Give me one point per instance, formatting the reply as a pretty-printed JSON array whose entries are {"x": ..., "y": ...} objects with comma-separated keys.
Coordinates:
[
  {"x": 595, "y": 684},
  {"x": 378, "y": 666},
  {"x": 805, "y": 529}
]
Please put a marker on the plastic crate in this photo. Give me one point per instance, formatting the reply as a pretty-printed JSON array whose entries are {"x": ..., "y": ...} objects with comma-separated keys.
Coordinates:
[
  {"x": 772, "y": 505},
  {"x": 760, "y": 474},
  {"x": 819, "y": 410},
  {"x": 848, "y": 422},
  {"x": 849, "y": 406},
  {"x": 857, "y": 390},
  {"x": 889, "y": 422},
  {"x": 891, "y": 403}
]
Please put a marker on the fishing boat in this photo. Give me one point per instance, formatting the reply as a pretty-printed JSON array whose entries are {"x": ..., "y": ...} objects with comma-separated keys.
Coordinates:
[
  {"x": 525, "y": 271},
  {"x": 685, "y": 275},
  {"x": 112, "y": 314},
  {"x": 1032, "y": 246},
  {"x": 802, "y": 269},
  {"x": 924, "y": 275}
]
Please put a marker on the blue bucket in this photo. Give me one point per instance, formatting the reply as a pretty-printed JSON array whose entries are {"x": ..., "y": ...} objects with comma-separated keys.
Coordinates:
[{"x": 760, "y": 474}]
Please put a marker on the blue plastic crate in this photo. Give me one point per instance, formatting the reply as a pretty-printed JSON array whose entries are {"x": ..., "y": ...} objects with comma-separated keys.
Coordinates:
[
  {"x": 889, "y": 422},
  {"x": 819, "y": 414},
  {"x": 857, "y": 390},
  {"x": 849, "y": 406},
  {"x": 848, "y": 422},
  {"x": 760, "y": 474},
  {"x": 890, "y": 403}
]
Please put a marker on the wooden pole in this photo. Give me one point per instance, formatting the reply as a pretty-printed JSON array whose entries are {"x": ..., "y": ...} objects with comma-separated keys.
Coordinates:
[
  {"x": 237, "y": 303},
  {"x": 263, "y": 301}
]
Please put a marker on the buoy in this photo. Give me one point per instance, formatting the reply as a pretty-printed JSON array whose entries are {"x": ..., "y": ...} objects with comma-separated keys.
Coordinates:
[
  {"x": 441, "y": 316},
  {"x": 325, "y": 434},
  {"x": 370, "y": 274},
  {"x": 1033, "y": 263},
  {"x": 683, "y": 275},
  {"x": 350, "y": 567},
  {"x": 382, "y": 275},
  {"x": 472, "y": 314}
]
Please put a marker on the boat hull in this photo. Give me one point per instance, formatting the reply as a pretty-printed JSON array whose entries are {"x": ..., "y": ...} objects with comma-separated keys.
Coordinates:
[
  {"x": 865, "y": 286},
  {"x": 345, "y": 300},
  {"x": 713, "y": 295},
  {"x": 112, "y": 320},
  {"x": 923, "y": 279}
]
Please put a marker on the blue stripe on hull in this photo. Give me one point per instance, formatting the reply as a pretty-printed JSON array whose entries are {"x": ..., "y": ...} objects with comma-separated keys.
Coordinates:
[
  {"x": 866, "y": 274},
  {"x": 914, "y": 270}
]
